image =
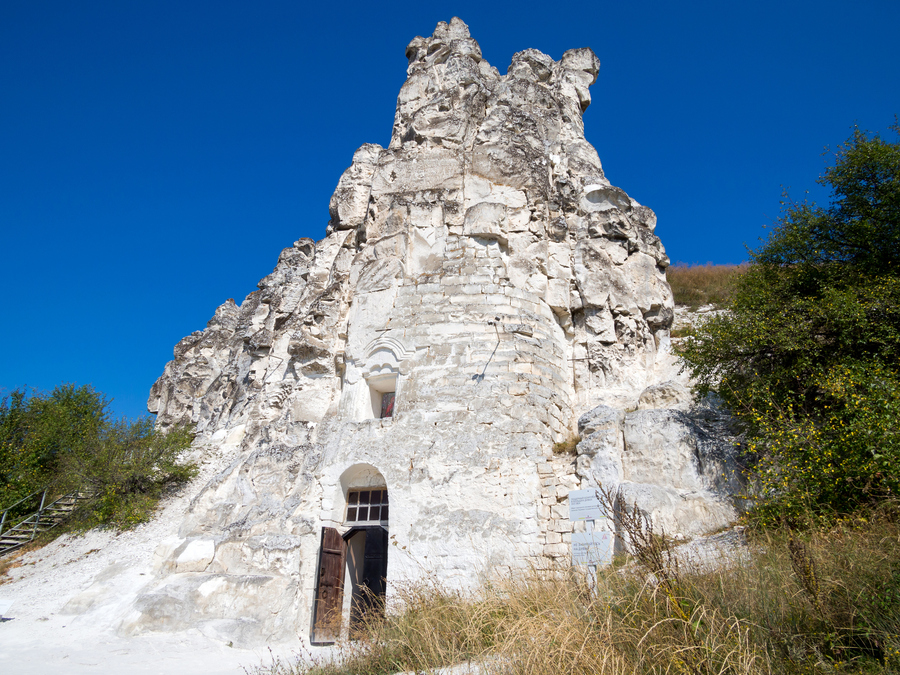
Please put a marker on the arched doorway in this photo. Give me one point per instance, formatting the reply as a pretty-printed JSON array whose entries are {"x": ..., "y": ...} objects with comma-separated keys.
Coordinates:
[{"x": 352, "y": 568}]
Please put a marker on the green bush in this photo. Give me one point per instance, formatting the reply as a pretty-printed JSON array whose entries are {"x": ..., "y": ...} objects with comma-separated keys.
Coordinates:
[
  {"x": 808, "y": 357},
  {"x": 128, "y": 468},
  {"x": 38, "y": 428},
  {"x": 65, "y": 440}
]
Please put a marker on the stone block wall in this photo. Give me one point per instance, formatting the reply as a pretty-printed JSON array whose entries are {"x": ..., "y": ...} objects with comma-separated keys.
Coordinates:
[{"x": 558, "y": 477}]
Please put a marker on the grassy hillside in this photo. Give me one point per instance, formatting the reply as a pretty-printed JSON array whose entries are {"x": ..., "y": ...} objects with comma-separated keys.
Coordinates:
[{"x": 697, "y": 285}]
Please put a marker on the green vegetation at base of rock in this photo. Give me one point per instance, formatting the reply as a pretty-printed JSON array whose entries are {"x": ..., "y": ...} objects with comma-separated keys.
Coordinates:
[
  {"x": 65, "y": 440},
  {"x": 808, "y": 355}
]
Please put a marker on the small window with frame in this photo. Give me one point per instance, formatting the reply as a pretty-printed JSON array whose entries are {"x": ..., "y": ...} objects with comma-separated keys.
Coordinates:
[
  {"x": 383, "y": 395},
  {"x": 367, "y": 506}
]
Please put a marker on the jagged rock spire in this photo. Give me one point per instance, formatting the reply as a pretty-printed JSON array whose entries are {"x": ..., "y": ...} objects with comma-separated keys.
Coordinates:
[{"x": 482, "y": 274}]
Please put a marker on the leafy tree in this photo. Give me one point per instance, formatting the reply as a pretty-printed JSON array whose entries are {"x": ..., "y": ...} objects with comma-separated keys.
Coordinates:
[
  {"x": 38, "y": 428},
  {"x": 808, "y": 357},
  {"x": 65, "y": 440},
  {"x": 127, "y": 468}
]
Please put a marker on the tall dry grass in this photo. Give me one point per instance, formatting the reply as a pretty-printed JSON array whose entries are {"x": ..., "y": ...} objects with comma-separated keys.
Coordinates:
[
  {"x": 821, "y": 601},
  {"x": 697, "y": 285}
]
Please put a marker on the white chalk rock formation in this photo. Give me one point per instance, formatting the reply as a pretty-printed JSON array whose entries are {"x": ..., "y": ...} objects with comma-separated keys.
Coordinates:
[{"x": 480, "y": 287}]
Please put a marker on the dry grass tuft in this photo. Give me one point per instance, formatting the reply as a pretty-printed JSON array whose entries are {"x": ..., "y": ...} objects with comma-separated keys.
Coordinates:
[
  {"x": 697, "y": 285},
  {"x": 12, "y": 560},
  {"x": 567, "y": 447}
]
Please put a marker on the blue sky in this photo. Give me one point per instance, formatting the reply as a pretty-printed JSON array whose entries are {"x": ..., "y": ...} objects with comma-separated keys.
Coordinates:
[{"x": 155, "y": 157}]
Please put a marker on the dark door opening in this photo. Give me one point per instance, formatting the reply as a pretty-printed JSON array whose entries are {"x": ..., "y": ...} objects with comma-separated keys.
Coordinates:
[{"x": 367, "y": 569}]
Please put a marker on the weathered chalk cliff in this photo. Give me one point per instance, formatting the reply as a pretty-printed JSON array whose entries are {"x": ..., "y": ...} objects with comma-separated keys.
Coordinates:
[{"x": 480, "y": 287}]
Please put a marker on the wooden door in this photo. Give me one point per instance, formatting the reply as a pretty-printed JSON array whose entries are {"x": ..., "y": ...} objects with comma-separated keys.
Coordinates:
[{"x": 329, "y": 587}]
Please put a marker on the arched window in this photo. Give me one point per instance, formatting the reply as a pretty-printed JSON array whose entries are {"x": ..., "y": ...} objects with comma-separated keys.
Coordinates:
[{"x": 381, "y": 371}]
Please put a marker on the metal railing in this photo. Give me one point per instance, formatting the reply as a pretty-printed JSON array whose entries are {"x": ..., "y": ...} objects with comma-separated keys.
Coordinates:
[
  {"x": 45, "y": 518},
  {"x": 3, "y": 517}
]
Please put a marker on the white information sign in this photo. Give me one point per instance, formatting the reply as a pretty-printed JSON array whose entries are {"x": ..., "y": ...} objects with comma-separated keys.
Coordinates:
[
  {"x": 585, "y": 505},
  {"x": 4, "y": 606},
  {"x": 592, "y": 548}
]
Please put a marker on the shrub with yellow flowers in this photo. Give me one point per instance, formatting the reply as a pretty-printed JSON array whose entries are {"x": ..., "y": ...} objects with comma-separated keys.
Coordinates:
[{"x": 808, "y": 357}]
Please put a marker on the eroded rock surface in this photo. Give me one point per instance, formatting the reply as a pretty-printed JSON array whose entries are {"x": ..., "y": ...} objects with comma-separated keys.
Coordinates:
[{"x": 484, "y": 271}]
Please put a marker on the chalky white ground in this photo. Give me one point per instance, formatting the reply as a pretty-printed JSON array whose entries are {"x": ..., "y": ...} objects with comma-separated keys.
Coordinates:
[{"x": 69, "y": 596}]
